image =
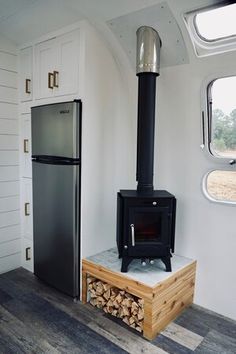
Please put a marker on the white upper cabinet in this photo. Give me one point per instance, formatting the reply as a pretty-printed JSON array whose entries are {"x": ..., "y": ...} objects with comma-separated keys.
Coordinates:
[
  {"x": 67, "y": 74},
  {"x": 57, "y": 66},
  {"x": 26, "y": 84},
  {"x": 45, "y": 64}
]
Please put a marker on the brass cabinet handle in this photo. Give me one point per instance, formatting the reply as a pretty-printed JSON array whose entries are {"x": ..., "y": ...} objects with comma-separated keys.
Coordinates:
[
  {"x": 28, "y": 254},
  {"x": 26, "y": 146},
  {"x": 55, "y": 78},
  {"x": 50, "y": 80},
  {"x": 27, "y": 85},
  {"x": 27, "y": 213}
]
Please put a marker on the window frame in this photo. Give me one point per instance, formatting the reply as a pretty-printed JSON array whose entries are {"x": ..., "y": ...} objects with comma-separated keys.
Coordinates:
[
  {"x": 217, "y": 162},
  {"x": 206, "y": 122},
  {"x": 202, "y": 46},
  {"x": 218, "y": 39},
  {"x": 208, "y": 195}
]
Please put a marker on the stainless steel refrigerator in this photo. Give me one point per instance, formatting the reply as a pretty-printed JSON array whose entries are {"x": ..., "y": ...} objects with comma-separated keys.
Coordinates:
[{"x": 56, "y": 164}]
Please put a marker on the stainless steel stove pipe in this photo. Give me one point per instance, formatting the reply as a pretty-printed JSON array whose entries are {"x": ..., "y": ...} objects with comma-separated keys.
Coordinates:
[
  {"x": 148, "y": 64},
  {"x": 148, "y": 50}
]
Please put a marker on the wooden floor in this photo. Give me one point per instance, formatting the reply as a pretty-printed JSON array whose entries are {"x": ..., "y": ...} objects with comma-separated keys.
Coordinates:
[{"x": 35, "y": 318}]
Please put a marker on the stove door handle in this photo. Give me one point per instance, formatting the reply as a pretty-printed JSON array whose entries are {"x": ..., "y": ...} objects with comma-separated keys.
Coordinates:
[{"x": 132, "y": 234}]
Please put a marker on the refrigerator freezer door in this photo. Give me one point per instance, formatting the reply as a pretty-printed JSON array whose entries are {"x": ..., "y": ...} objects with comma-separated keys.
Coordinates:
[
  {"x": 56, "y": 225},
  {"x": 56, "y": 129}
]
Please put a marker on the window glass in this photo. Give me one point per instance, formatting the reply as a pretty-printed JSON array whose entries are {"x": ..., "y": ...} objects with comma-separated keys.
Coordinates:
[
  {"x": 223, "y": 117},
  {"x": 217, "y": 23},
  {"x": 221, "y": 185}
]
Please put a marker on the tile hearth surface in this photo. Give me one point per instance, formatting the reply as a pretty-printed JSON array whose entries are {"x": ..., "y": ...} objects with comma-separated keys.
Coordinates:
[{"x": 149, "y": 275}]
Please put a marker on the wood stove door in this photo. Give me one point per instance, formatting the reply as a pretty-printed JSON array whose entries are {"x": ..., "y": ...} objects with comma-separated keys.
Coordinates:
[{"x": 148, "y": 231}]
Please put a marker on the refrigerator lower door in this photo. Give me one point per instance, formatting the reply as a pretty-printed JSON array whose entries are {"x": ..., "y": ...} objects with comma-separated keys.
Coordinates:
[{"x": 56, "y": 226}]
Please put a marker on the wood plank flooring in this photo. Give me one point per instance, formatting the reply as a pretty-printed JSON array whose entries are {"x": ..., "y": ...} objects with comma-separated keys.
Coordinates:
[{"x": 35, "y": 318}]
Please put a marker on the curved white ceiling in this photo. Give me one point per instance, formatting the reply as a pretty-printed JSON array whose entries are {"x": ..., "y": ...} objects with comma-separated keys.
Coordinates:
[{"x": 24, "y": 20}]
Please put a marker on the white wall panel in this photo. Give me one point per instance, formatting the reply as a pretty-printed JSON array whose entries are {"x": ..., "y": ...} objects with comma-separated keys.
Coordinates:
[
  {"x": 9, "y": 218},
  {"x": 10, "y": 262},
  {"x": 9, "y": 173},
  {"x": 8, "y": 61},
  {"x": 9, "y": 248},
  {"x": 9, "y": 204},
  {"x": 9, "y": 233},
  {"x": 9, "y": 158},
  {"x": 8, "y": 111},
  {"x": 8, "y": 78},
  {"x": 8, "y": 94},
  {"x": 9, "y": 188},
  {"x": 9, "y": 126},
  {"x": 9, "y": 142}
]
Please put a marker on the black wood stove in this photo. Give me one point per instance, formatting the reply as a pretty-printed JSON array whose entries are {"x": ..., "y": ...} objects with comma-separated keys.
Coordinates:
[{"x": 146, "y": 217}]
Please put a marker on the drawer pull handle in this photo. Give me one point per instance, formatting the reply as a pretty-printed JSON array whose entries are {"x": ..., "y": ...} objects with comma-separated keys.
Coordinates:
[
  {"x": 27, "y": 85},
  {"x": 132, "y": 234},
  {"x": 55, "y": 78},
  {"x": 26, "y": 146},
  {"x": 27, "y": 212},
  {"x": 50, "y": 80}
]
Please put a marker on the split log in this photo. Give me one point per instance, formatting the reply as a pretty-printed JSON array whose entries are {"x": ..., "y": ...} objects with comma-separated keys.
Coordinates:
[{"x": 117, "y": 302}]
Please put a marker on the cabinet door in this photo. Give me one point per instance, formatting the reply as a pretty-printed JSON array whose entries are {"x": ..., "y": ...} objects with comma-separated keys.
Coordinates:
[
  {"x": 45, "y": 64},
  {"x": 26, "y": 165},
  {"x": 27, "y": 209},
  {"x": 67, "y": 72},
  {"x": 26, "y": 85}
]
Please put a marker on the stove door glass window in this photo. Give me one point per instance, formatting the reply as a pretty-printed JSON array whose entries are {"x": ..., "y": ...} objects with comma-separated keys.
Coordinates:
[{"x": 148, "y": 224}]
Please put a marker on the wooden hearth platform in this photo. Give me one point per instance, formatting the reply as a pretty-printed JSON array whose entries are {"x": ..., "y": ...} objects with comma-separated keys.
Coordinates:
[{"x": 165, "y": 294}]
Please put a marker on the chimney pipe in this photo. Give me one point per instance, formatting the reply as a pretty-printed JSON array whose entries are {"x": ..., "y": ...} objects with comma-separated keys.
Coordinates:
[{"x": 148, "y": 64}]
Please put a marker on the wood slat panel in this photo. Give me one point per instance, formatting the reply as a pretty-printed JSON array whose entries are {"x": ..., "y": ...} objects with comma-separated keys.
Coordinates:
[
  {"x": 9, "y": 233},
  {"x": 9, "y": 218},
  {"x": 8, "y": 111},
  {"x": 8, "y": 94},
  {"x": 120, "y": 281},
  {"x": 9, "y": 158},
  {"x": 173, "y": 278},
  {"x": 8, "y": 61},
  {"x": 9, "y": 248},
  {"x": 9, "y": 173},
  {"x": 9, "y": 142},
  {"x": 9, "y": 188},
  {"x": 9, "y": 204},
  {"x": 10, "y": 262},
  {"x": 179, "y": 306},
  {"x": 9, "y": 126},
  {"x": 8, "y": 78}
]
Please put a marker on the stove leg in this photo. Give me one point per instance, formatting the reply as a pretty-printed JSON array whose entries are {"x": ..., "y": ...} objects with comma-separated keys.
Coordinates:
[
  {"x": 125, "y": 263},
  {"x": 167, "y": 262}
]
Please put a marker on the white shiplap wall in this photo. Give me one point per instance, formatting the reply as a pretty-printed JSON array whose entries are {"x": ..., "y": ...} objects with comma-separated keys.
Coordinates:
[{"x": 9, "y": 160}]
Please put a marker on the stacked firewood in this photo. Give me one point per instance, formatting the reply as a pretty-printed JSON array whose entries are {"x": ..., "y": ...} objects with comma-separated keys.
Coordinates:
[{"x": 117, "y": 302}]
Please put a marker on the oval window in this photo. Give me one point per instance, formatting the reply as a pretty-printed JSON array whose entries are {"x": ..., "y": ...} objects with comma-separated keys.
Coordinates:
[
  {"x": 221, "y": 185},
  {"x": 216, "y": 24}
]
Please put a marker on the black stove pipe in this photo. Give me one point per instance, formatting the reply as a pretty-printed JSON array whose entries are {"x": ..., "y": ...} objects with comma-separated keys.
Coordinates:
[{"x": 148, "y": 60}]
